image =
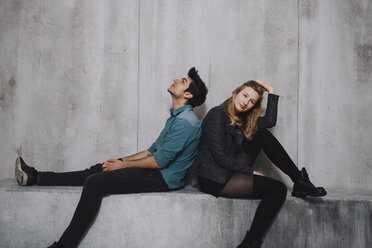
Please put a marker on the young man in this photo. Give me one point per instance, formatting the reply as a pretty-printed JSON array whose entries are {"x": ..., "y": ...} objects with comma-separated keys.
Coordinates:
[{"x": 160, "y": 168}]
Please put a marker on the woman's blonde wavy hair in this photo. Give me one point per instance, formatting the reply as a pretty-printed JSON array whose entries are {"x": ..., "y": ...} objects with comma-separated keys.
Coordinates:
[{"x": 244, "y": 121}]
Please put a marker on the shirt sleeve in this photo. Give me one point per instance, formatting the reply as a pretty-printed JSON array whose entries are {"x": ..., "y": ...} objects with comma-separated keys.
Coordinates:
[
  {"x": 175, "y": 140},
  {"x": 153, "y": 148}
]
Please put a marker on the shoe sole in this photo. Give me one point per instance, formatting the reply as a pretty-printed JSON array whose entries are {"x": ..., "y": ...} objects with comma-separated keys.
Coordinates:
[
  {"x": 304, "y": 194},
  {"x": 298, "y": 194},
  {"x": 20, "y": 175}
]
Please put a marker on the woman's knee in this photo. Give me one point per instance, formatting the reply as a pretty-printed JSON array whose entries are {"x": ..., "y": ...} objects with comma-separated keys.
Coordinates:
[
  {"x": 262, "y": 135},
  {"x": 275, "y": 187},
  {"x": 262, "y": 131},
  {"x": 266, "y": 135}
]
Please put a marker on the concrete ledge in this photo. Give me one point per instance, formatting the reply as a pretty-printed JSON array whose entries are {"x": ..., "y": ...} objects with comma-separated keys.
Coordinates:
[{"x": 36, "y": 216}]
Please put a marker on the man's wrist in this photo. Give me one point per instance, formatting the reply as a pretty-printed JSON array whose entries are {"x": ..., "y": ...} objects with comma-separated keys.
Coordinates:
[{"x": 123, "y": 164}]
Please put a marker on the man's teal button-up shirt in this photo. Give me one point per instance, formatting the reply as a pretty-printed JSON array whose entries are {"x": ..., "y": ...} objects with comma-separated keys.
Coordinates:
[{"x": 176, "y": 147}]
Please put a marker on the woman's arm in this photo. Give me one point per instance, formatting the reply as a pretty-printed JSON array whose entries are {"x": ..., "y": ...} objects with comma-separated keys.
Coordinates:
[{"x": 270, "y": 118}]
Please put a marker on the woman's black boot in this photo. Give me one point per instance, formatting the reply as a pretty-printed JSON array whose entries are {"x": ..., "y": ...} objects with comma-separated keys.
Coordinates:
[
  {"x": 303, "y": 187},
  {"x": 249, "y": 242}
]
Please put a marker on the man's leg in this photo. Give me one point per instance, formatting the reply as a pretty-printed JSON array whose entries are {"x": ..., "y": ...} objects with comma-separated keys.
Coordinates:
[
  {"x": 122, "y": 181},
  {"x": 27, "y": 175},
  {"x": 72, "y": 178}
]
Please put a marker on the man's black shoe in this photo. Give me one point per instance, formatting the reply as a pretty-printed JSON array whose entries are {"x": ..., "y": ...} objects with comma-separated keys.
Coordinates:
[
  {"x": 24, "y": 174},
  {"x": 303, "y": 187}
]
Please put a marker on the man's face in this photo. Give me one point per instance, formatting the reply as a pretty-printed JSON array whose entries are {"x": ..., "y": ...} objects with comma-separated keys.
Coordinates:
[{"x": 177, "y": 89}]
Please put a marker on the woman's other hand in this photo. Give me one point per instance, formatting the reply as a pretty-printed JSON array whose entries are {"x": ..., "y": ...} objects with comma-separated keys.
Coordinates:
[
  {"x": 268, "y": 88},
  {"x": 257, "y": 173}
]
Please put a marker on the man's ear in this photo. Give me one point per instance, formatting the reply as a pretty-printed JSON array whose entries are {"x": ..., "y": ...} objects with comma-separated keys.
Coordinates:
[{"x": 188, "y": 95}]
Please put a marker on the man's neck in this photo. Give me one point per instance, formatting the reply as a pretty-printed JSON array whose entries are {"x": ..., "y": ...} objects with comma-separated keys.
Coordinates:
[{"x": 177, "y": 104}]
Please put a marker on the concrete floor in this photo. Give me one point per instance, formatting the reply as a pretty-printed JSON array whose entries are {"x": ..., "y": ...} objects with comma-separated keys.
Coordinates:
[{"x": 36, "y": 216}]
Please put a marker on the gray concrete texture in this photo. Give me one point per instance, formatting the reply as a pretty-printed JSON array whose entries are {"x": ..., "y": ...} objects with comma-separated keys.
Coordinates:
[
  {"x": 185, "y": 218},
  {"x": 335, "y": 64},
  {"x": 84, "y": 81}
]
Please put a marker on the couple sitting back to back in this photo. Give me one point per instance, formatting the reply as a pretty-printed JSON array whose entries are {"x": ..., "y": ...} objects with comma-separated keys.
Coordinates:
[{"x": 222, "y": 151}]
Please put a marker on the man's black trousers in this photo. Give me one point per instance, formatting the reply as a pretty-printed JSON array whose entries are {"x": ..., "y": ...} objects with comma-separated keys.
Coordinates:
[{"x": 96, "y": 185}]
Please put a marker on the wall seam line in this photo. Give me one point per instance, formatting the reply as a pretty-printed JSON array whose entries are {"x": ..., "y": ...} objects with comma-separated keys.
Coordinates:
[
  {"x": 138, "y": 70},
  {"x": 298, "y": 78}
]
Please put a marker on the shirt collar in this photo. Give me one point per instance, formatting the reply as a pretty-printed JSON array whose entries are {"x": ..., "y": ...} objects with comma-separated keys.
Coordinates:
[{"x": 179, "y": 110}]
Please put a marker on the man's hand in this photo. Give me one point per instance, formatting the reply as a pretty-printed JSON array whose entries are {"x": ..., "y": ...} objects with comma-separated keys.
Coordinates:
[{"x": 112, "y": 164}]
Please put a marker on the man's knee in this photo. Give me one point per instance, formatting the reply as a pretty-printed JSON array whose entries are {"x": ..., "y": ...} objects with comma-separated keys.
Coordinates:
[{"x": 92, "y": 181}]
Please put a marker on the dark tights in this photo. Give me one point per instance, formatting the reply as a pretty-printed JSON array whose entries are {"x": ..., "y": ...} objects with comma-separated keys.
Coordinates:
[{"x": 272, "y": 192}]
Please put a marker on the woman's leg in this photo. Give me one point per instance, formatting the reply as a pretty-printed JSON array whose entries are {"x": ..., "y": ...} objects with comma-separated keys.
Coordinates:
[
  {"x": 275, "y": 152},
  {"x": 272, "y": 193},
  {"x": 122, "y": 181},
  {"x": 263, "y": 139}
]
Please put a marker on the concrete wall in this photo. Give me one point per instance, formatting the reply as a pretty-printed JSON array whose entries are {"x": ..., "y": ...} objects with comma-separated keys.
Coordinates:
[
  {"x": 335, "y": 64},
  {"x": 83, "y": 81}
]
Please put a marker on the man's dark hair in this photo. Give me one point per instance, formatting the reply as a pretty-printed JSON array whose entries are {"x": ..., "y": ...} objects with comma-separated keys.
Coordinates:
[{"x": 196, "y": 88}]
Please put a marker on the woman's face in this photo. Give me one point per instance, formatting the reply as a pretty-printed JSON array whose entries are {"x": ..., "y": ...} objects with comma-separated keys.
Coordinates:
[{"x": 246, "y": 99}]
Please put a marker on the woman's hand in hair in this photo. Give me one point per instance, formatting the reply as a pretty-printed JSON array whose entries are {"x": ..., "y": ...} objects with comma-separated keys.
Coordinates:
[{"x": 267, "y": 87}]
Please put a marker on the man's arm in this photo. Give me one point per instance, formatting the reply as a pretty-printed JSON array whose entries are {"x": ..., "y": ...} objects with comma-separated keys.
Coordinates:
[
  {"x": 145, "y": 162},
  {"x": 136, "y": 156},
  {"x": 177, "y": 139}
]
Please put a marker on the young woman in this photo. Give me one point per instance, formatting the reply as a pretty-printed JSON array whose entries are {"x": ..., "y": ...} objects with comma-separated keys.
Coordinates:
[{"x": 232, "y": 136}]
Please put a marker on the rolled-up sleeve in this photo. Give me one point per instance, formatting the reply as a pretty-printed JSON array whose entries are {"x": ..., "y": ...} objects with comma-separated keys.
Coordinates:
[
  {"x": 152, "y": 148},
  {"x": 175, "y": 140}
]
